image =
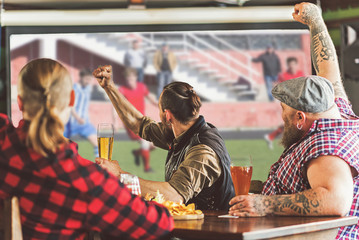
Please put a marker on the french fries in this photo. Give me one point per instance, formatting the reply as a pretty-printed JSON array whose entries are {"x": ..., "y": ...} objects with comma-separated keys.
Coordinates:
[
  {"x": 176, "y": 209},
  {"x": 180, "y": 209}
]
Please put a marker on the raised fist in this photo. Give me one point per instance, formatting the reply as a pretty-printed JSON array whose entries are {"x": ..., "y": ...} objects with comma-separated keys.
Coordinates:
[
  {"x": 306, "y": 13},
  {"x": 103, "y": 74}
]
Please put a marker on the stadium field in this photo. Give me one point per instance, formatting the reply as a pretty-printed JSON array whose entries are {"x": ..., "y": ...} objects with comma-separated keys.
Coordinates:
[{"x": 262, "y": 157}]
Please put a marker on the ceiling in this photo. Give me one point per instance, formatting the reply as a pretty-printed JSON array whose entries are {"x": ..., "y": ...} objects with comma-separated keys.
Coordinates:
[{"x": 101, "y": 4}]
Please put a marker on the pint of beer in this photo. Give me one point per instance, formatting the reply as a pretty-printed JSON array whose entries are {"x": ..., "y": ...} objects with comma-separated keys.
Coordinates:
[
  {"x": 105, "y": 140},
  {"x": 241, "y": 177}
]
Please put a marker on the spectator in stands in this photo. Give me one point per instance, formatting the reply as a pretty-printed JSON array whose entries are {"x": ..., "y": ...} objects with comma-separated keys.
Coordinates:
[
  {"x": 271, "y": 68},
  {"x": 198, "y": 164},
  {"x": 61, "y": 194},
  {"x": 136, "y": 58},
  {"x": 136, "y": 92},
  {"x": 317, "y": 174},
  {"x": 165, "y": 63},
  {"x": 79, "y": 122},
  {"x": 292, "y": 72}
]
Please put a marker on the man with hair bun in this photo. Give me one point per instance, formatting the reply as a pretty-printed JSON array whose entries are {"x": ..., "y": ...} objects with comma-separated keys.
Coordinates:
[{"x": 198, "y": 165}]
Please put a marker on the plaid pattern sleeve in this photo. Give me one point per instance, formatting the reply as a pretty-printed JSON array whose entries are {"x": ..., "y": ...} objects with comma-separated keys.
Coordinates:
[
  {"x": 114, "y": 211},
  {"x": 336, "y": 137},
  {"x": 63, "y": 196},
  {"x": 345, "y": 107}
]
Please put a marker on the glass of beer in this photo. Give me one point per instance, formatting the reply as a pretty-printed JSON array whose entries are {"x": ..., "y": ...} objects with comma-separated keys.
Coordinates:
[
  {"x": 242, "y": 175},
  {"x": 105, "y": 140}
]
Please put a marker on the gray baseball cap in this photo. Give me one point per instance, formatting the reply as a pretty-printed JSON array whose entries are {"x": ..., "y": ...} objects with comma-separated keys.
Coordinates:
[{"x": 311, "y": 94}]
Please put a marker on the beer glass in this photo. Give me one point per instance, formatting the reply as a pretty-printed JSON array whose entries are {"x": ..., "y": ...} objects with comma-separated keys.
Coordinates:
[
  {"x": 105, "y": 140},
  {"x": 241, "y": 172}
]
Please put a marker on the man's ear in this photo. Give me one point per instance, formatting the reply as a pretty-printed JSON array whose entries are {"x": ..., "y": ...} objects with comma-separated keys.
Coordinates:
[
  {"x": 169, "y": 116},
  {"x": 20, "y": 103},
  {"x": 301, "y": 117},
  {"x": 72, "y": 98}
]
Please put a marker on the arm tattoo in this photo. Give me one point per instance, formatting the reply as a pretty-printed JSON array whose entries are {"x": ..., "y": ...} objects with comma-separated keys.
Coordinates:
[
  {"x": 322, "y": 50},
  {"x": 263, "y": 204},
  {"x": 298, "y": 203},
  {"x": 310, "y": 15},
  {"x": 304, "y": 203}
]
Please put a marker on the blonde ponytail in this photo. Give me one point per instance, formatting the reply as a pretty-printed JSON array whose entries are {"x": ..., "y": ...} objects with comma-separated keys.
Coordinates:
[{"x": 44, "y": 87}]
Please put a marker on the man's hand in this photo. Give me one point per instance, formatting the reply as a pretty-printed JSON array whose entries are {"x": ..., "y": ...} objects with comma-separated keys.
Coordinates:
[
  {"x": 306, "y": 13},
  {"x": 249, "y": 206},
  {"x": 103, "y": 75},
  {"x": 110, "y": 165}
]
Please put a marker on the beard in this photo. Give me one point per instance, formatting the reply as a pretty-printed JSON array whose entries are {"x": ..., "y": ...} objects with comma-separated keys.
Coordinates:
[{"x": 291, "y": 135}]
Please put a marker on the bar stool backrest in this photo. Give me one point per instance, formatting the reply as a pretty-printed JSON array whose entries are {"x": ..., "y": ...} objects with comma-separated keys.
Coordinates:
[{"x": 11, "y": 219}]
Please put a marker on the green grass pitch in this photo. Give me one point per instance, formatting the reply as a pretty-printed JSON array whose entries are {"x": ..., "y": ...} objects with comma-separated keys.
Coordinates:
[{"x": 239, "y": 151}]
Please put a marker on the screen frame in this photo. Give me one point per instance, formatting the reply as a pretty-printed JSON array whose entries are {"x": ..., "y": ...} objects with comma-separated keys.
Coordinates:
[{"x": 12, "y": 27}]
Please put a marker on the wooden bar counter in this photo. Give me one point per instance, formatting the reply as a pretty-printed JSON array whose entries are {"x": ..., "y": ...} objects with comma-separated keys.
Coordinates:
[{"x": 274, "y": 227}]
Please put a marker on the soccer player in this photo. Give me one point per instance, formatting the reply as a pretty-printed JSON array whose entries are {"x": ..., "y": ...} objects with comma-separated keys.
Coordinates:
[
  {"x": 79, "y": 122},
  {"x": 136, "y": 93}
]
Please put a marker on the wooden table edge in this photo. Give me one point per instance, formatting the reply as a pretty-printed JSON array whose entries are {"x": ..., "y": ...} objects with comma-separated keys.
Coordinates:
[{"x": 302, "y": 228}]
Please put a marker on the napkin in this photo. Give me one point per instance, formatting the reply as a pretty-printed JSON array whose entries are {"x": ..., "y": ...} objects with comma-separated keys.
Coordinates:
[{"x": 227, "y": 216}]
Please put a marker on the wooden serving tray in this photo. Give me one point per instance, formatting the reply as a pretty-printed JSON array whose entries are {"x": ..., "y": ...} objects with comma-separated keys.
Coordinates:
[{"x": 188, "y": 217}]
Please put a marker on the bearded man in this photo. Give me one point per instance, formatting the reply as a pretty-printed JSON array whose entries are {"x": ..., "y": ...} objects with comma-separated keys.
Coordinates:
[{"x": 317, "y": 174}]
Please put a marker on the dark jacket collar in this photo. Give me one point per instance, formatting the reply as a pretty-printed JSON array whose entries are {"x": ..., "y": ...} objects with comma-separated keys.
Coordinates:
[{"x": 182, "y": 140}]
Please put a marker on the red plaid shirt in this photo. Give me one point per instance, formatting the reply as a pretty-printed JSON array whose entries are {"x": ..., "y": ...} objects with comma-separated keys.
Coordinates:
[
  {"x": 336, "y": 137},
  {"x": 64, "y": 195}
]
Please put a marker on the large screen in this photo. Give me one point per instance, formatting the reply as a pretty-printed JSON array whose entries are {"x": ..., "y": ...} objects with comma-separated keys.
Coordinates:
[{"x": 229, "y": 69}]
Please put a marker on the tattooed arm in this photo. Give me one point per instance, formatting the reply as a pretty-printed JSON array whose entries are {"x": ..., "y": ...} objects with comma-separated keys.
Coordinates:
[
  {"x": 323, "y": 53},
  {"x": 331, "y": 193}
]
